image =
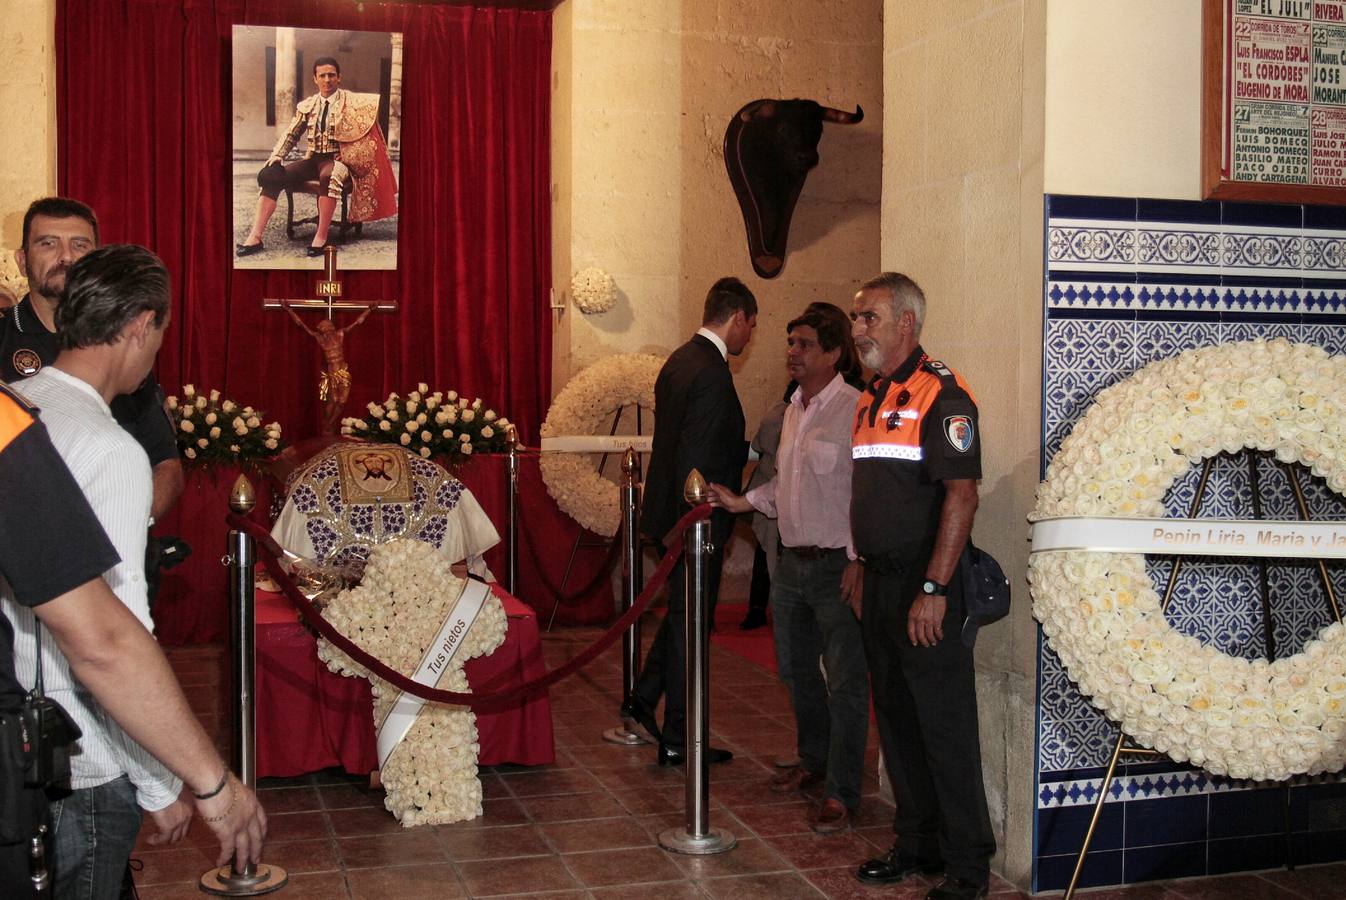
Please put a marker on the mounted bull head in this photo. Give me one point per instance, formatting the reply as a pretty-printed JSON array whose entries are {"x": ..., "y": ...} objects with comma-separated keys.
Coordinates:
[{"x": 769, "y": 147}]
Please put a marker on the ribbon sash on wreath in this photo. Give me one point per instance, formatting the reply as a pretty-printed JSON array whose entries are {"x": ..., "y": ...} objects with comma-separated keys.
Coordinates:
[
  {"x": 434, "y": 663},
  {"x": 1192, "y": 537}
]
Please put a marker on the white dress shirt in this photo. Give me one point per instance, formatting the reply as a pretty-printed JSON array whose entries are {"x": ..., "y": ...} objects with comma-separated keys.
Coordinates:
[
  {"x": 114, "y": 474},
  {"x": 811, "y": 493},
  {"x": 716, "y": 340}
]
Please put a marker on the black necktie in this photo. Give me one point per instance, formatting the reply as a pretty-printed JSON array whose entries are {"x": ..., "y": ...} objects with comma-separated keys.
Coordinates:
[{"x": 322, "y": 118}]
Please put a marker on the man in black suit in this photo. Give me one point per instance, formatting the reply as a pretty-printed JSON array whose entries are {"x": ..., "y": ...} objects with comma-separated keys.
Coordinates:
[{"x": 698, "y": 424}]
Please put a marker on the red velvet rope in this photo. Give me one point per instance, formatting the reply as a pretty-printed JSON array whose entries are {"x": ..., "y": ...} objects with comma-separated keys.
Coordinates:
[{"x": 271, "y": 552}]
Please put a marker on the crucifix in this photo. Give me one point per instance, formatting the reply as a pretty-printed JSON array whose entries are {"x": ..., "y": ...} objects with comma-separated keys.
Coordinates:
[{"x": 334, "y": 382}]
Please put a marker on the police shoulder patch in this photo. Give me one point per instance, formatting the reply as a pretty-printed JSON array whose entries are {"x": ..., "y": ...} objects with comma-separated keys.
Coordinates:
[
  {"x": 26, "y": 362},
  {"x": 938, "y": 368},
  {"x": 958, "y": 430}
]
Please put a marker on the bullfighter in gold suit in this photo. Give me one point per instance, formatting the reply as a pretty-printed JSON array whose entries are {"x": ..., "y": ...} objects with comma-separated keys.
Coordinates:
[{"x": 345, "y": 147}]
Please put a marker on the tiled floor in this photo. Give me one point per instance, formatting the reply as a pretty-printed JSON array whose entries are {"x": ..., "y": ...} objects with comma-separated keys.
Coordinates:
[{"x": 587, "y": 827}]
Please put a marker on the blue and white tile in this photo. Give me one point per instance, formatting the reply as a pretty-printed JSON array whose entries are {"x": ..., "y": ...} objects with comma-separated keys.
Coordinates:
[
  {"x": 1232, "y": 332},
  {"x": 1157, "y": 340},
  {"x": 1095, "y": 345},
  {"x": 1090, "y": 245},
  {"x": 1331, "y": 338}
]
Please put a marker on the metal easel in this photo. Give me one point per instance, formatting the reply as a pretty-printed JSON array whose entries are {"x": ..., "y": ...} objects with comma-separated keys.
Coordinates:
[
  {"x": 580, "y": 537},
  {"x": 1124, "y": 745}
]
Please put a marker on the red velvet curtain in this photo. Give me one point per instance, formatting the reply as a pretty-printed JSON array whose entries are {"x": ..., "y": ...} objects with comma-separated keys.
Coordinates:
[{"x": 144, "y": 119}]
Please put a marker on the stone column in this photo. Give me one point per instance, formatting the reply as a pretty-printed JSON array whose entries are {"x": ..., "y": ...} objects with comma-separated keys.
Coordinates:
[
  {"x": 395, "y": 99},
  {"x": 286, "y": 90}
]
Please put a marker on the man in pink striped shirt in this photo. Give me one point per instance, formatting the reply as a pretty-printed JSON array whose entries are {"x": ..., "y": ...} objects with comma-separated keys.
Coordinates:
[{"x": 816, "y": 588}]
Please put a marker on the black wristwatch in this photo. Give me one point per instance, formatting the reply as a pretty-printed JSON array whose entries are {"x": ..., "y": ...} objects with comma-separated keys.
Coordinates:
[{"x": 934, "y": 588}]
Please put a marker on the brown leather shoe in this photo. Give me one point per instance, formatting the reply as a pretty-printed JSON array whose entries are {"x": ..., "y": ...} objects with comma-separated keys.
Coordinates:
[
  {"x": 796, "y": 779},
  {"x": 832, "y": 817}
]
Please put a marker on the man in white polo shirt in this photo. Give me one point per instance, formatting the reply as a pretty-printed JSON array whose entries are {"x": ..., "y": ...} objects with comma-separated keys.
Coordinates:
[{"x": 111, "y": 322}]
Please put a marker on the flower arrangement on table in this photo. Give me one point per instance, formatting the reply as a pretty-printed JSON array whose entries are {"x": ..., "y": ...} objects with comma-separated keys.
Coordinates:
[
  {"x": 1249, "y": 719},
  {"x": 212, "y": 430},
  {"x": 394, "y": 614},
  {"x": 444, "y": 424},
  {"x": 593, "y": 291}
]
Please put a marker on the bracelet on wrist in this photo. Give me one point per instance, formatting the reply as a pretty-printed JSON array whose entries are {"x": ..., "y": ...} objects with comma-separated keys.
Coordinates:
[
  {"x": 219, "y": 787},
  {"x": 233, "y": 801}
]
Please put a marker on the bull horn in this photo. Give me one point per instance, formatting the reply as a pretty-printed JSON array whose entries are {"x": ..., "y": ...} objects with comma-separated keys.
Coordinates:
[{"x": 841, "y": 117}]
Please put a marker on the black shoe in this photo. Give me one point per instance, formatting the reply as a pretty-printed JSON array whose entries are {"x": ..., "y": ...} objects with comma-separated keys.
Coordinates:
[
  {"x": 242, "y": 250},
  {"x": 633, "y": 708},
  {"x": 755, "y": 618},
  {"x": 316, "y": 251},
  {"x": 957, "y": 889},
  {"x": 674, "y": 755},
  {"x": 893, "y": 866}
]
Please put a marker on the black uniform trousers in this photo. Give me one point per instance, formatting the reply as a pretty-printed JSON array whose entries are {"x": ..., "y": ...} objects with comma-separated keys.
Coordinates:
[
  {"x": 665, "y": 669},
  {"x": 925, "y": 704}
]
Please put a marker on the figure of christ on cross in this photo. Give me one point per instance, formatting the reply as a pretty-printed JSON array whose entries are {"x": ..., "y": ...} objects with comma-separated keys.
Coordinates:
[{"x": 334, "y": 382}]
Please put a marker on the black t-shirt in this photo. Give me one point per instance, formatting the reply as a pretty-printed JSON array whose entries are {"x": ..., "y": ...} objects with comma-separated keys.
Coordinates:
[
  {"x": 142, "y": 414},
  {"x": 912, "y": 431},
  {"x": 25, "y": 343},
  {"x": 26, "y": 346},
  {"x": 50, "y": 540}
]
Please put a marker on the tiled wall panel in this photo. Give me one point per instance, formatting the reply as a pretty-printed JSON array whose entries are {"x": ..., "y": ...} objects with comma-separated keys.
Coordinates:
[{"x": 1129, "y": 281}]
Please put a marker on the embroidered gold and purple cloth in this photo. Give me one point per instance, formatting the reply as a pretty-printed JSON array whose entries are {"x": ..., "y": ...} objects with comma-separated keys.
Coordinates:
[{"x": 352, "y": 496}]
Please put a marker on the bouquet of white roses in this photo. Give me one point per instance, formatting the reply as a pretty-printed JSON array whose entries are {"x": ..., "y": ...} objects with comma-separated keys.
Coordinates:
[
  {"x": 214, "y": 430},
  {"x": 593, "y": 290},
  {"x": 439, "y": 424}
]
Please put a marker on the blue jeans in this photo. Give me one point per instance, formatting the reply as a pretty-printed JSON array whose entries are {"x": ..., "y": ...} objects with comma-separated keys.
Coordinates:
[
  {"x": 95, "y": 831},
  {"x": 832, "y": 716}
]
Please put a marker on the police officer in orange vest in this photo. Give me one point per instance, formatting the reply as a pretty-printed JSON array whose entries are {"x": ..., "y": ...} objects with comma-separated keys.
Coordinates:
[{"x": 916, "y": 446}]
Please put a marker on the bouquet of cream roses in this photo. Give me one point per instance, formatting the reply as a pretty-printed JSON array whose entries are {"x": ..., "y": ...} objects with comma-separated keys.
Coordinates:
[
  {"x": 439, "y": 424},
  {"x": 594, "y": 290},
  {"x": 214, "y": 430}
]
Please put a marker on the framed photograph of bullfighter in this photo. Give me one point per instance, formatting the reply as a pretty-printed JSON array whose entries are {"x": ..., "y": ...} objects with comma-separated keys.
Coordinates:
[{"x": 317, "y": 146}]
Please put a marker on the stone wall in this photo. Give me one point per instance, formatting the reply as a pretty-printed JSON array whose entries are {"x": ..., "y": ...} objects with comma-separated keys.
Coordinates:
[
  {"x": 643, "y": 95},
  {"x": 28, "y": 94},
  {"x": 962, "y": 214}
]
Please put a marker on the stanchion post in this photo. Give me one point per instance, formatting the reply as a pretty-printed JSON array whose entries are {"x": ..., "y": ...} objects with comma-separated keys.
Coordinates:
[
  {"x": 632, "y": 576},
  {"x": 697, "y": 837},
  {"x": 252, "y": 880},
  {"x": 512, "y": 435}
]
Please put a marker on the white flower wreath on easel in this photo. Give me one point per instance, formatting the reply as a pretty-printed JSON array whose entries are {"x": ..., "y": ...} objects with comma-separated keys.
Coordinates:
[
  {"x": 1099, "y": 611},
  {"x": 586, "y": 406}
]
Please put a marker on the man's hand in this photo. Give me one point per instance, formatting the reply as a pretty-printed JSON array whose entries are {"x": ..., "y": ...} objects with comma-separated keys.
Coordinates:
[
  {"x": 173, "y": 820},
  {"x": 853, "y": 585},
  {"x": 723, "y": 498},
  {"x": 238, "y": 821},
  {"x": 273, "y": 161},
  {"x": 925, "y": 621}
]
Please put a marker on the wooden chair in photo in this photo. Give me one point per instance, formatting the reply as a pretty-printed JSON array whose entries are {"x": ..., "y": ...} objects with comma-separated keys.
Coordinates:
[{"x": 313, "y": 187}]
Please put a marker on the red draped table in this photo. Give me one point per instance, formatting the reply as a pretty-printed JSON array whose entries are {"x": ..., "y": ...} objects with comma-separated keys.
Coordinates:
[
  {"x": 193, "y": 603},
  {"x": 309, "y": 718}
]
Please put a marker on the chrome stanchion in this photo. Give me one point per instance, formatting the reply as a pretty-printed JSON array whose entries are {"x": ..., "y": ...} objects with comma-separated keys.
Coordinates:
[
  {"x": 512, "y": 435},
  {"x": 632, "y": 576},
  {"x": 697, "y": 837},
  {"x": 251, "y": 880}
]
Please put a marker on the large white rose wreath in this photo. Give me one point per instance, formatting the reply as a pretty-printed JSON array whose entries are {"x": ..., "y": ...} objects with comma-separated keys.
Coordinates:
[
  {"x": 586, "y": 405},
  {"x": 393, "y": 615},
  {"x": 1099, "y": 611}
]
